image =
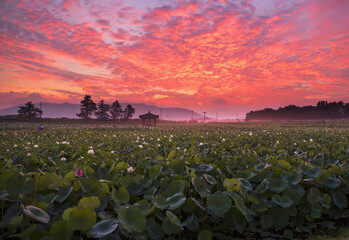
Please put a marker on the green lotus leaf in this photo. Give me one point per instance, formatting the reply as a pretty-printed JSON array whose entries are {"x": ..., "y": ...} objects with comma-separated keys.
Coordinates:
[
  {"x": 173, "y": 219},
  {"x": 326, "y": 201},
  {"x": 284, "y": 164},
  {"x": 240, "y": 205},
  {"x": 37, "y": 214},
  {"x": 155, "y": 171},
  {"x": 82, "y": 218},
  {"x": 161, "y": 202},
  {"x": 13, "y": 211},
  {"x": 211, "y": 180},
  {"x": 14, "y": 223},
  {"x": 293, "y": 194},
  {"x": 49, "y": 198},
  {"x": 150, "y": 192},
  {"x": 332, "y": 182},
  {"x": 171, "y": 154},
  {"x": 63, "y": 193},
  {"x": 200, "y": 186},
  {"x": 15, "y": 185},
  {"x": 340, "y": 200},
  {"x": 169, "y": 228},
  {"x": 295, "y": 178},
  {"x": 313, "y": 172},
  {"x": 219, "y": 203},
  {"x": 154, "y": 229},
  {"x": 198, "y": 203},
  {"x": 132, "y": 219},
  {"x": 262, "y": 187},
  {"x": 120, "y": 195},
  {"x": 277, "y": 185},
  {"x": 239, "y": 221},
  {"x": 103, "y": 228},
  {"x": 205, "y": 235},
  {"x": 246, "y": 184},
  {"x": 61, "y": 230},
  {"x": 280, "y": 217},
  {"x": 283, "y": 201},
  {"x": 232, "y": 184},
  {"x": 92, "y": 202},
  {"x": 176, "y": 201},
  {"x": 176, "y": 186},
  {"x": 266, "y": 220}
]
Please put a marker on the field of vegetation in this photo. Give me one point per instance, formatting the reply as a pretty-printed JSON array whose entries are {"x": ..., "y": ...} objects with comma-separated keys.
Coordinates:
[{"x": 214, "y": 181}]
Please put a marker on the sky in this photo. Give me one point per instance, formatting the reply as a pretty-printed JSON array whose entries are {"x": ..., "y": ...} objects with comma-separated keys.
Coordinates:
[{"x": 224, "y": 57}]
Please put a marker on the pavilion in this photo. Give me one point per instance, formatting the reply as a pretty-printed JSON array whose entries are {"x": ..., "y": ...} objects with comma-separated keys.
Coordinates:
[{"x": 148, "y": 119}]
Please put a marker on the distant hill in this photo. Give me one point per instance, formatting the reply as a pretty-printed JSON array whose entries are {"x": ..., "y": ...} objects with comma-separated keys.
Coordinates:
[
  {"x": 323, "y": 110},
  {"x": 69, "y": 110}
]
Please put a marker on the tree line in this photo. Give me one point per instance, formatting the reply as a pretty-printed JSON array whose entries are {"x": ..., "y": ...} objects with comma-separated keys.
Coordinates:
[
  {"x": 323, "y": 110},
  {"x": 88, "y": 108},
  {"x": 103, "y": 110}
]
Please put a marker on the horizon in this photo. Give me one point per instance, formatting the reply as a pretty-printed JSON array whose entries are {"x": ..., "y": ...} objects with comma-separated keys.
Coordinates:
[{"x": 225, "y": 57}]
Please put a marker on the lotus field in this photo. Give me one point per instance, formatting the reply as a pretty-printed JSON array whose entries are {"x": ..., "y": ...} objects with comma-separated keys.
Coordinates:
[{"x": 214, "y": 181}]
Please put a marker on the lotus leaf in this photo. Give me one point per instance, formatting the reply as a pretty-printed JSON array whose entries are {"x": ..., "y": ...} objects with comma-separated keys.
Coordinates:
[
  {"x": 132, "y": 219},
  {"x": 173, "y": 219},
  {"x": 200, "y": 186},
  {"x": 332, "y": 182},
  {"x": 176, "y": 201},
  {"x": 154, "y": 229},
  {"x": 155, "y": 171},
  {"x": 176, "y": 186},
  {"x": 103, "y": 228},
  {"x": 160, "y": 202},
  {"x": 150, "y": 192},
  {"x": 120, "y": 195},
  {"x": 340, "y": 200},
  {"x": 266, "y": 220},
  {"x": 37, "y": 214},
  {"x": 82, "y": 218},
  {"x": 169, "y": 228},
  {"x": 61, "y": 230},
  {"x": 246, "y": 184},
  {"x": 277, "y": 185},
  {"x": 92, "y": 202},
  {"x": 211, "y": 180},
  {"x": 219, "y": 203},
  {"x": 313, "y": 172},
  {"x": 283, "y": 201},
  {"x": 232, "y": 184}
]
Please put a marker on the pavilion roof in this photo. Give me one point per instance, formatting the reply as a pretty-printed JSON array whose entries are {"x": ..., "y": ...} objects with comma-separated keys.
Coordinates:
[{"x": 148, "y": 115}]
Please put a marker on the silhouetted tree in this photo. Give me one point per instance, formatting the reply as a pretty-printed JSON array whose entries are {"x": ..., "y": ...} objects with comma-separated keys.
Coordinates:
[
  {"x": 115, "y": 110},
  {"x": 102, "y": 110},
  {"x": 29, "y": 111},
  {"x": 87, "y": 107},
  {"x": 129, "y": 111}
]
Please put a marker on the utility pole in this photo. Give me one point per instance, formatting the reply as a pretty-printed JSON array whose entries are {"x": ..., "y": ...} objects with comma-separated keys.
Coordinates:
[
  {"x": 204, "y": 117},
  {"x": 160, "y": 113},
  {"x": 192, "y": 115},
  {"x": 216, "y": 117},
  {"x": 40, "y": 109}
]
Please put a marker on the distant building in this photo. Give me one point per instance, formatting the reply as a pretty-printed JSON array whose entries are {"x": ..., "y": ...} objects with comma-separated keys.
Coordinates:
[{"x": 103, "y": 119}]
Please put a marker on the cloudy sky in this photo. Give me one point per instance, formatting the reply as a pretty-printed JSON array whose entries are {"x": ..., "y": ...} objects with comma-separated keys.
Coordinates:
[{"x": 224, "y": 56}]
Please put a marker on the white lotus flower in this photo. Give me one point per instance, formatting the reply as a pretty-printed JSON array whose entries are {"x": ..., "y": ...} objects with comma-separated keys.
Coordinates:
[
  {"x": 140, "y": 146},
  {"x": 36, "y": 146},
  {"x": 91, "y": 152},
  {"x": 223, "y": 139},
  {"x": 130, "y": 169},
  {"x": 63, "y": 159},
  {"x": 28, "y": 154}
]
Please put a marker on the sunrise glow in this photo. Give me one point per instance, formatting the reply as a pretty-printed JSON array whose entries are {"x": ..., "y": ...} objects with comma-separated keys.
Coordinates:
[{"x": 215, "y": 56}]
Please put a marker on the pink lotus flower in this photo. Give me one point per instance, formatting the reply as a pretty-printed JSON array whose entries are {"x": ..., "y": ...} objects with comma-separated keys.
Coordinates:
[{"x": 78, "y": 173}]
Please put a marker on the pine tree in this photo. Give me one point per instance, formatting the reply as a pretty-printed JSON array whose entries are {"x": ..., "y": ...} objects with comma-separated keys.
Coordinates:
[
  {"x": 29, "y": 111},
  {"x": 87, "y": 107},
  {"x": 102, "y": 110},
  {"x": 129, "y": 111},
  {"x": 115, "y": 110}
]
